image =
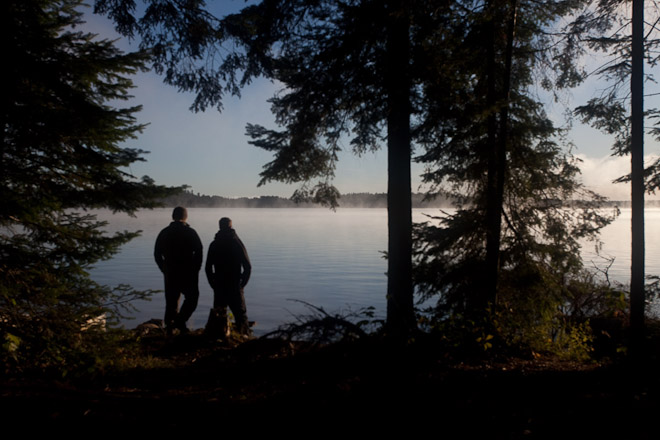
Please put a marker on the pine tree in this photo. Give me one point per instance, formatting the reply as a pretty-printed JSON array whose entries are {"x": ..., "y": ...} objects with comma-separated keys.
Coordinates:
[
  {"x": 513, "y": 242},
  {"x": 348, "y": 74},
  {"x": 60, "y": 156}
]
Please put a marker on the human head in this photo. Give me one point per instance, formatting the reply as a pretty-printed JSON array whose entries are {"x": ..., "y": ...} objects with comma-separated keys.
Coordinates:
[
  {"x": 225, "y": 223},
  {"x": 179, "y": 214}
]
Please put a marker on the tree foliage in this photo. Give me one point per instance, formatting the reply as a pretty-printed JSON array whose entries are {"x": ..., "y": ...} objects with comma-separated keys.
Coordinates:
[
  {"x": 329, "y": 56},
  {"x": 544, "y": 211},
  {"x": 605, "y": 29},
  {"x": 61, "y": 155}
]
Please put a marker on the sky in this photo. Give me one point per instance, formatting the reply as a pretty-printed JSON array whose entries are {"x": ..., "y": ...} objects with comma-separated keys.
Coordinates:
[{"x": 209, "y": 151}]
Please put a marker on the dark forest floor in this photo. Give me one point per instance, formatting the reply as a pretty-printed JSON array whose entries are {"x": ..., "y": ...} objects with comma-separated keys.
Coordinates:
[{"x": 369, "y": 387}]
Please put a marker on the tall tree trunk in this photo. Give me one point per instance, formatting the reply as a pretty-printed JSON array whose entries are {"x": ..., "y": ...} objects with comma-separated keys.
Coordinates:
[
  {"x": 497, "y": 155},
  {"x": 400, "y": 311},
  {"x": 637, "y": 296}
]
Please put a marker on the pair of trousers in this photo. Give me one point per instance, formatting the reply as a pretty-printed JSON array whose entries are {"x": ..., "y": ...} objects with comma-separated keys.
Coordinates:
[
  {"x": 231, "y": 296},
  {"x": 175, "y": 286}
]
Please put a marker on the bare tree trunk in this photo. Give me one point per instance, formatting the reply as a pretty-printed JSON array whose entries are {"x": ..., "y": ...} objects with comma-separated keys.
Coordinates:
[
  {"x": 637, "y": 296},
  {"x": 400, "y": 311}
]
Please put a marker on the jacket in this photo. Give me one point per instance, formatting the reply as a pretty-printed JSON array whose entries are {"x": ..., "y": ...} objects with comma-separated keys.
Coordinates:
[
  {"x": 227, "y": 262},
  {"x": 178, "y": 250}
]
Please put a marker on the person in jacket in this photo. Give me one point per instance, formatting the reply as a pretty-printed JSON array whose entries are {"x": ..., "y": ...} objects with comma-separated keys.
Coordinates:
[
  {"x": 178, "y": 254},
  {"x": 228, "y": 270}
]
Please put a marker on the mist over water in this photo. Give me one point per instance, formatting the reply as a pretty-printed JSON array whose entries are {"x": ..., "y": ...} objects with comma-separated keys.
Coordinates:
[{"x": 329, "y": 259}]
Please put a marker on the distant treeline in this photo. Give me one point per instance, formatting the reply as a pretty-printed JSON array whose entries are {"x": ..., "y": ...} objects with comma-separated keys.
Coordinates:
[
  {"x": 352, "y": 200},
  {"x": 626, "y": 203}
]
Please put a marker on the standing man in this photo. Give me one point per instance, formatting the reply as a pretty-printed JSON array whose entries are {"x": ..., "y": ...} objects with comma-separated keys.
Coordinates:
[
  {"x": 228, "y": 270},
  {"x": 178, "y": 253}
]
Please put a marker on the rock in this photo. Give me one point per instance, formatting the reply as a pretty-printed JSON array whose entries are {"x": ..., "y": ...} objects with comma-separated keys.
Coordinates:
[{"x": 150, "y": 327}]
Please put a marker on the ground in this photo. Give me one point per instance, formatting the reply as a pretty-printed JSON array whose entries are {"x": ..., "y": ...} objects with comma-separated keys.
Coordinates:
[{"x": 363, "y": 386}]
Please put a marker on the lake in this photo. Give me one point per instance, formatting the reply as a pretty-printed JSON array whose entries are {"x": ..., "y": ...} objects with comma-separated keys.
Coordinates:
[{"x": 329, "y": 259}]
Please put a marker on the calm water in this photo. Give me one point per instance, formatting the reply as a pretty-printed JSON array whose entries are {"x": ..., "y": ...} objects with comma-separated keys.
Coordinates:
[{"x": 329, "y": 259}]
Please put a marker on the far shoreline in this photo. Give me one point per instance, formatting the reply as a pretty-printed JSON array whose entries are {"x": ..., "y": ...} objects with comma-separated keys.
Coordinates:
[{"x": 350, "y": 200}]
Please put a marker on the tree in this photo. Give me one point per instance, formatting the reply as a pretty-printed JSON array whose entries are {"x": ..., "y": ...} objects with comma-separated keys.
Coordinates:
[
  {"x": 489, "y": 144},
  {"x": 346, "y": 68},
  {"x": 606, "y": 27},
  {"x": 61, "y": 155}
]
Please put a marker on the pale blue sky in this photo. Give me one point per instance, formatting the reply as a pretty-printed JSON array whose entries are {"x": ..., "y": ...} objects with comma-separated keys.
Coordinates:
[{"x": 210, "y": 152}]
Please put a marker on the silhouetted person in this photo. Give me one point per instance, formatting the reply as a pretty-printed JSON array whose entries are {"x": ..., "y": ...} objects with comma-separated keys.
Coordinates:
[
  {"x": 178, "y": 253},
  {"x": 228, "y": 270}
]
